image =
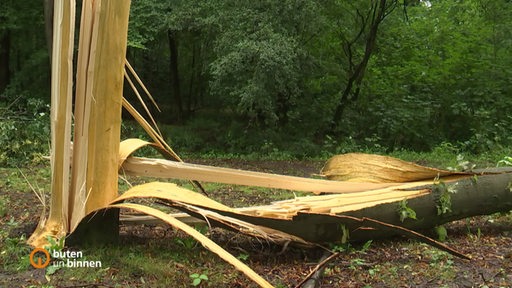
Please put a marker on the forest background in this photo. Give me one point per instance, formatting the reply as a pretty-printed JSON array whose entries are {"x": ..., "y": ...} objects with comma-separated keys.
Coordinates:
[{"x": 290, "y": 78}]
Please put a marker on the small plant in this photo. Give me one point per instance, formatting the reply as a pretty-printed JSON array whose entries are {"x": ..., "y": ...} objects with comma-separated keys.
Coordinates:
[
  {"x": 197, "y": 279},
  {"x": 187, "y": 242},
  {"x": 441, "y": 232},
  {"x": 55, "y": 245},
  {"x": 243, "y": 256},
  {"x": 373, "y": 272},
  {"x": 343, "y": 247},
  {"x": 346, "y": 234},
  {"x": 347, "y": 247},
  {"x": 463, "y": 164},
  {"x": 444, "y": 192},
  {"x": 15, "y": 253},
  {"x": 405, "y": 211},
  {"x": 366, "y": 246},
  {"x": 478, "y": 231},
  {"x": 506, "y": 161},
  {"x": 354, "y": 263},
  {"x": 440, "y": 258},
  {"x": 12, "y": 223}
]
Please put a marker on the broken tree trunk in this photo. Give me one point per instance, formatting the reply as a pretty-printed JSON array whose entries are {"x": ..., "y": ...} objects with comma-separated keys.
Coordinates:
[
  {"x": 450, "y": 201},
  {"x": 354, "y": 214},
  {"x": 443, "y": 202}
]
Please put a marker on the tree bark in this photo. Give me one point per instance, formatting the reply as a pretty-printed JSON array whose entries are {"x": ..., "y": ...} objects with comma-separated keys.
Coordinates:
[{"x": 483, "y": 195}]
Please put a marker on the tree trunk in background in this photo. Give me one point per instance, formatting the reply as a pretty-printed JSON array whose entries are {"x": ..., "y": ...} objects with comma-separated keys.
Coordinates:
[
  {"x": 380, "y": 9},
  {"x": 175, "y": 79},
  {"x": 5, "y": 46},
  {"x": 48, "y": 25},
  {"x": 192, "y": 88}
]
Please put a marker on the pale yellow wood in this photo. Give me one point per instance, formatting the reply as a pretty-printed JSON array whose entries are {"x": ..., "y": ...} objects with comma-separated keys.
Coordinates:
[
  {"x": 83, "y": 99},
  {"x": 372, "y": 203},
  {"x": 108, "y": 50},
  {"x": 362, "y": 167},
  {"x": 141, "y": 101},
  {"x": 179, "y": 170},
  {"x": 129, "y": 146},
  {"x": 172, "y": 192},
  {"x": 132, "y": 71},
  {"x": 61, "y": 100}
]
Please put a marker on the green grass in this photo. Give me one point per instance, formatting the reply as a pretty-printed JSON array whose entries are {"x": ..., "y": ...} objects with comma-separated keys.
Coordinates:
[
  {"x": 26, "y": 179},
  {"x": 155, "y": 262}
]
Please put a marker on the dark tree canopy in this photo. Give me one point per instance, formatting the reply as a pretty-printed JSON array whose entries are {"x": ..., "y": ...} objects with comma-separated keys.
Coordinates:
[{"x": 294, "y": 74}]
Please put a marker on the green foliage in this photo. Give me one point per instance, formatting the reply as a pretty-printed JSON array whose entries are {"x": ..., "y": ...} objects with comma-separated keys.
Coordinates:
[
  {"x": 189, "y": 242},
  {"x": 143, "y": 29},
  {"x": 197, "y": 279},
  {"x": 506, "y": 161},
  {"x": 23, "y": 44},
  {"x": 349, "y": 248},
  {"x": 443, "y": 193},
  {"x": 24, "y": 133},
  {"x": 258, "y": 70},
  {"x": 345, "y": 234},
  {"x": 243, "y": 256},
  {"x": 366, "y": 246},
  {"x": 15, "y": 252},
  {"x": 441, "y": 232},
  {"x": 405, "y": 211},
  {"x": 263, "y": 78},
  {"x": 55, "y": 244}
]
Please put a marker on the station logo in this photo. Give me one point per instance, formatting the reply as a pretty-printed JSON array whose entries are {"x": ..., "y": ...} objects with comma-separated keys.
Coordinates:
[{"x": 41, "y": 258}]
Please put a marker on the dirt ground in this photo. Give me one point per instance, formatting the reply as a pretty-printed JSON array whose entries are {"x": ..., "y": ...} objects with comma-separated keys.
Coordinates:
[{"x": 396, "y": 262}]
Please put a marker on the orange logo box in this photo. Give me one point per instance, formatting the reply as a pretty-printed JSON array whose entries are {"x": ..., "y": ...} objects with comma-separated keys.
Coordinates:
[{"x": 37, "y": 262}]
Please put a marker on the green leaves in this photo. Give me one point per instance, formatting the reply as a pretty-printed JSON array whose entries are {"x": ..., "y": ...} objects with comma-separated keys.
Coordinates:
[
  {"x": 405, "y": 211},
  {"x": 258, "y": 69},
  {"x": 197, "y": 279},
  {"x": 443, "y": 194}
]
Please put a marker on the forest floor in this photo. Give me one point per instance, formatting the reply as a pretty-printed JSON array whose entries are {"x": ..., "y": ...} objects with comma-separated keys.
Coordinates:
[{"x": 160, "y": 256}]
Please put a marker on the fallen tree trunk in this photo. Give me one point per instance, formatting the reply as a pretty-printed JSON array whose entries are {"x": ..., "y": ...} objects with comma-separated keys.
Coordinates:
[
  {"x": 444, "y": 203},
  {"x": 477, "y": 195},
  {"x": 358, "y": 213},
  {"x": 467, "y": 197}
]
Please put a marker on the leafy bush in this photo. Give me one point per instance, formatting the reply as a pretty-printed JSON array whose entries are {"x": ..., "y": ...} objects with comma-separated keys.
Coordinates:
[{"x": 24, "y": 133}]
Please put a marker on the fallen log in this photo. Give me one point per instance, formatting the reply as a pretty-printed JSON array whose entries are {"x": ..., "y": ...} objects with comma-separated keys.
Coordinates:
[
  {"x": 444, "y": 202},
  {"x": 360, "y": 212},
  {"x": 447, "y": 201}
]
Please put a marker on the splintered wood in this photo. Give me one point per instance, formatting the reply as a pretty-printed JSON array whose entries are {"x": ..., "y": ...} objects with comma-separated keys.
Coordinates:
[
  {"x": 359, "y": 167},
  {"x": 333, "y": 204}
]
